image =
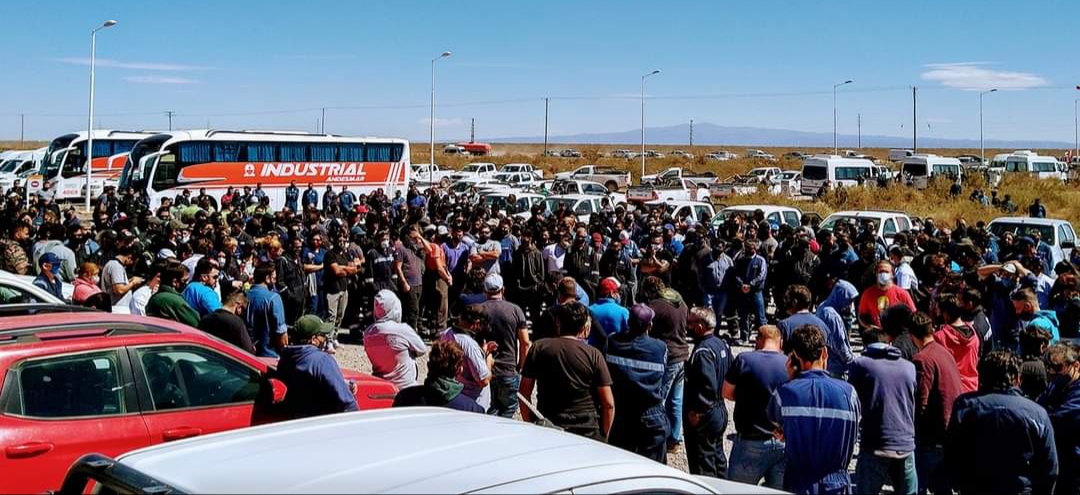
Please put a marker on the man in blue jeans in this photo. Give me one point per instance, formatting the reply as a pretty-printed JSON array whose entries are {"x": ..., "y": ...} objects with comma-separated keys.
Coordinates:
[
  {"x": 749, "y": 280},
  {"x": 750, "y": 383},
  {"x": 669, "y": 325}
]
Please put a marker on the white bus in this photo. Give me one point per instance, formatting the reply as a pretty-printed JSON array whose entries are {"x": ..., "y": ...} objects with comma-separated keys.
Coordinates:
[
  {"x": 917, "y": 170},
  {"x": 216, "y": 160},
  {"x": 63, "y": 169},
  {"x": 835, "y": 171}
]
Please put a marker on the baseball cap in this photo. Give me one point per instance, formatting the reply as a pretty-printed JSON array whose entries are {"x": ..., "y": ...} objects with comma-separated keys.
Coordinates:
[
  {"x": 624, "y": 237},
  {"x": 442, "y": 230},
  {"x": 596, "y": 237},
  {"x": 52, "y": 259},
  {"x": 493, "y": 283},
  {"x": 641, "y": 315},
  {"x": 609, "y": 285},
  {"x": 1009, "y": 268},
  {"x": 310, "y": 325}
]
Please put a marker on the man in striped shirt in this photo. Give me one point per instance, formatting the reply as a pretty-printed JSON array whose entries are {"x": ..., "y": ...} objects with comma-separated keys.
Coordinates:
[{"x": 817, "y": 416}]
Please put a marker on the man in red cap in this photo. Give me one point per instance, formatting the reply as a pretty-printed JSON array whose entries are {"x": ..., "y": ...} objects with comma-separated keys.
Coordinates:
[{"x": 611, "y": 317}]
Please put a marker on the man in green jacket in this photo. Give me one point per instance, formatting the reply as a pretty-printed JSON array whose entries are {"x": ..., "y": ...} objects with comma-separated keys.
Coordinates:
[{"x": 168, "y": 303}]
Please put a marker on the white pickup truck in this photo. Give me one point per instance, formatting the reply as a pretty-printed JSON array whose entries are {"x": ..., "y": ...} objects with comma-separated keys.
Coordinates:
[
  {"x": 528, "y": 168},
  {"x": 721, "y": 156},
  {"x": 668, "y": 190},
  {"x": 760, "y": 155},
  {"x": 482, "y": 169},
  {"x": 748, "y": 183},
  {"x": 431, "y": 174},
  {"x": 678, "y": 173},
  {"x": 612, "y": 178}
]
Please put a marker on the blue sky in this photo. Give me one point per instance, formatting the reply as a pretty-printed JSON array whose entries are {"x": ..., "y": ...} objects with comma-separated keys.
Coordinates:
[{"x": 272, "y": 64}]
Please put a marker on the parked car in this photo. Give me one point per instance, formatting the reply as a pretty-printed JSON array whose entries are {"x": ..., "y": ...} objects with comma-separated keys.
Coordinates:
[
  {"x": 703, "y": 179},
  {"x": 1059, "y": 234},
  {"x": 79, "y": 382},
  {"x": 759, "y": 155},
  {"x": 477, "y": 183},
  {"x": 431, "y": 174},
  {"x": 453, "y": 149},
  {"x": 497, "y": 200},
  {"x": 697, "y": 211},
  {"x": 668, "y": 190},
  {"x": 570, "y": 153},
  {"x": 522, "y": 167},
  {"x": 516, "y": 179},
  {"x": 682, "y": 154},
  {"x": 581, "y": 205},
  {"x": 888, "y": 222},
  {"x": 20, "y": 289},
  {"x": 480, "y": 169},
  {"x": 721, "y": 156},
  {"x": 778, "y": 215},
  {"x": 419, "y": 450},
  {"x": 653, "y": 154},
  {"x": 624, "y": 153},
  {"x": 789, "y": 182},
  {"x": 796, "y": 155},
  {"x": 612, "y": 178},
  {"x": 553, "y": 153}
]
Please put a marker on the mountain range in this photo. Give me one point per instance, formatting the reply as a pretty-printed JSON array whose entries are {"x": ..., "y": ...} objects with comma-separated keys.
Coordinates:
[{"x": 712, "y": 134}]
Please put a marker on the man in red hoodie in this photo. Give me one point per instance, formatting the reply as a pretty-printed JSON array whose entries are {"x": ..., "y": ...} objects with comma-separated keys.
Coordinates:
[
  {"x": 937, "y": 385},
  {"x": 959, "y": 338}
]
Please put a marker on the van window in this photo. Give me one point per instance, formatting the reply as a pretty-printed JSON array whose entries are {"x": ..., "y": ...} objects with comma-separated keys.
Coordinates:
[
  {"x": 791, "y": 218},
  {"x": 1062, "y": 235},
  {"x": 815, "y": 172},
  {"x": 1016, "y": 166},
  {"x": 946, "y": 169},
  {"x": 889, "y": 230},
  {"x": 1044, "y": 167},
  {"x": 903, "y": 224},
  {"x": 916, "y": 169},
  {"x": 852, "y": 173}
]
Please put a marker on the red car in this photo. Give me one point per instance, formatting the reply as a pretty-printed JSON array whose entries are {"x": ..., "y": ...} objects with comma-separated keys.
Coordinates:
[{"x": 76, "y": 383}]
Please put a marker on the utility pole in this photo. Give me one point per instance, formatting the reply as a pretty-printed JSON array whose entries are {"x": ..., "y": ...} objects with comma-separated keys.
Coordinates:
[
  {"x": 472, "y": 130},
  {"x": 546, "y": 101},
  {"x": 914, "y": 119},
  {"x": 860, "y": 130},
  {"x": 322, "y": 128},
  {"x": 691, "y": 136},
  {"x": 22, "y": 127},
  {"x": 170, "y": 113}
]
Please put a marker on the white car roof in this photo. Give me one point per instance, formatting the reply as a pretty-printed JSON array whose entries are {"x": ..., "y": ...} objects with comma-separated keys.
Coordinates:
[
  {"x": 410, "y": 450},
  {"x": 575, "y": 197},
  {"x": 676, "y": 202},
  {"x": 764, "y": 208},
  {"x": 1029, "y": 221},
  {"x": 867, "y": 214}
]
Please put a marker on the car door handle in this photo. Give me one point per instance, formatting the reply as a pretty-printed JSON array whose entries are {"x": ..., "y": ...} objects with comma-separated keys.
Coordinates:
[
  {"x": 28, "y": 450},
  {"x": 180, "y": 433}
]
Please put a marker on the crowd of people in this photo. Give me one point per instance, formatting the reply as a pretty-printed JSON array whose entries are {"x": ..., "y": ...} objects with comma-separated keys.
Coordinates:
[{"x": 942, "y": 357}]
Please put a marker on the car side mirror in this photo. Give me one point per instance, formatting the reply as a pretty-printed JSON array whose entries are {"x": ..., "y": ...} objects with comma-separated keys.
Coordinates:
[{"x": 1068, "y": 244}]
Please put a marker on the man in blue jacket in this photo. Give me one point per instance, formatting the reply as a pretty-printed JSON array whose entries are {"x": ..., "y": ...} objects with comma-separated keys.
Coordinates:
[
  {"x": 750, "y": 272},
  {"x": 997, "y": 440},
  {"x": 1062, "y": 402},
  {"x": 704, "y": 412},
  {"x": 311, "y": 197},
  {"x": 817, "y": 416},
  {"x": 292, "y": 195},
  {"x": 885, "y": 383},
  {"x": 636, "y": 363},
  {"x": 314, "y": 380}
]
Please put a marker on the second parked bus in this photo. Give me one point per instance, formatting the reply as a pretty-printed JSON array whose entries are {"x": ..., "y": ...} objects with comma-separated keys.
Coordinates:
[
  {"x": 216, "y": 160},
  {"x": 63, "y": 169}
]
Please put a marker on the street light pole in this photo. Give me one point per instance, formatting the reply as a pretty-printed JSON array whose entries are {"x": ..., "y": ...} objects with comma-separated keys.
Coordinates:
[
  {"x": 89, "y": 156},
  {"x": 849, "y": 81},
  {"x": 1076, "y": 130},
  {"x": 654, "y": 72},
  {"x": 431, "y": 164},
  {"x": 982, "y": 150}
]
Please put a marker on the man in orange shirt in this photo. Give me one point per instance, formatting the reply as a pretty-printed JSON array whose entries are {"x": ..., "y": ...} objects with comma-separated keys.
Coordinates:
[{"x": 437, "y": 279}]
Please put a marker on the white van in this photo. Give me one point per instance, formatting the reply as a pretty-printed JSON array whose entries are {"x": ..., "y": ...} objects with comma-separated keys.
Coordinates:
[
  {"x": 899, "y": 155},
  {"x": 1043, "y": 167},
  {"x": 834, "y": 171},
  {"x": 918, "y": 169}
]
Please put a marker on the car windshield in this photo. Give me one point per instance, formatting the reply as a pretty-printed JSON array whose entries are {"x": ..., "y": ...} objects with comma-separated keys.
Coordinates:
[
  {"x": 758, "y": 172},
  {"x": 815, "y": 172},
  {"x": 472, "y": 168},
  {"x": 552, "y": 204},
  {"x": 1019, "y": 229},
  {"x": 831, "y": 222}
]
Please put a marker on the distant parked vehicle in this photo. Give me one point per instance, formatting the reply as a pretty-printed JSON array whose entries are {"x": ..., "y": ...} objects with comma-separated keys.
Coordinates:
[
  {"x": 759, "y": 155},
  {"x": 624, "y": 153},
  {"x": 612, "y": 178},
  {"x": 828, "y": 171},
  {"x": 431, "y": 174},
  {"x": 917, "y": 170},
  {"x": 1043, "y": 167},
  {"x": 796, "y": 155},
  {"x": 721, "y": 156},
  {"x": 479, "y": 169},
  {"x": 653, "y": 154},
  {"x": 682, "y": 154},
  {"x": 522, "y": 167},
  {"x": 698, "y": 211},
  {"x": 669, "y": 190},
  {"x": 899, "y": 155},
  {"x": 703, "y": 179},
  {"x": 570, "y": 153},
  {"x": 453, "y": 149},
  {"x": 553, "y": 153},
  {"x": 779, "y": 215}
]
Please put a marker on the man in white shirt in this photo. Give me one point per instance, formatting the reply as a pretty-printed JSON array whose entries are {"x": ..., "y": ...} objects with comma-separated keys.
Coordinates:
[{"x": 905, "y": 276}]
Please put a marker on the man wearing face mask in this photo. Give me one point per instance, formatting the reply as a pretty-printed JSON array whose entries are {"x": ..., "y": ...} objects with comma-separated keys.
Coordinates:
[
  {"x": 884, "y": 294},
  {"x": 817, "y": 417},
  {"x": 555, "y": 254},
  {"x": 337, "y": 268},
  {"x": 1062, "y": 402},
  {"x": 167, "y": 302},
  {"x": 382, "y": 258},
  {"x": 580, "y": 264},
  {"x": 750, "y": 272}
]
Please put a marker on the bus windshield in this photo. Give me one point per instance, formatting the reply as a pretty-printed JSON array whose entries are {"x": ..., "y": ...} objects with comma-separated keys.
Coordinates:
[{"x": 140, "y": 151}]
